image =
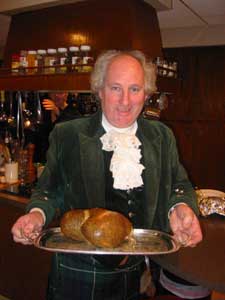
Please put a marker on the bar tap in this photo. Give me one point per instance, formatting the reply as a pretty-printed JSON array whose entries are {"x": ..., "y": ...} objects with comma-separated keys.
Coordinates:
[
  {"x": 39, "y": 118},
  {"x": 11, "y": 119},
  {"x": 20, "y": 122}
]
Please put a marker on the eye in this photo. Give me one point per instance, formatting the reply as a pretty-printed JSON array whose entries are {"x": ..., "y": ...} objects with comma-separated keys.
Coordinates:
[
  {"x": 135, "y": 89},
  {"x": 116, "y": 88}
]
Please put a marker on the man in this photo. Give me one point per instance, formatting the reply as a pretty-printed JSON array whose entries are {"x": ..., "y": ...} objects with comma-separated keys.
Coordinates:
[
  {"x": 56, "y": 104},
  {"x": 63, "y": 107},
  {"x": 118, "y": 160}
]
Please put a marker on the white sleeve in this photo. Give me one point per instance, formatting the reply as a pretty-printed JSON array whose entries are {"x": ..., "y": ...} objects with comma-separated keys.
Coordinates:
[
  {"x": 173, "y": 207},
  {"x": 40, "y": 211}
]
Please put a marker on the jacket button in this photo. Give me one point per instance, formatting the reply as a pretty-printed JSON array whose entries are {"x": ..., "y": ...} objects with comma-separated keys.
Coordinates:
[{"x": 131, "y": 215}]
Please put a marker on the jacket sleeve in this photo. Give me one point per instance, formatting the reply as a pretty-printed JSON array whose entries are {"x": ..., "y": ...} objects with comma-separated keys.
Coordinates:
[
  {"x": 181, "y": 189},
  {"x": 48, "y": 193}
]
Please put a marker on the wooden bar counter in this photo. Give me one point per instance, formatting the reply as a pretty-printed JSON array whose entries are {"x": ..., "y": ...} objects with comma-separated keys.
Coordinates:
[
  {"x": 24, "y": 269},
  {"x": 205, "y": 263}
]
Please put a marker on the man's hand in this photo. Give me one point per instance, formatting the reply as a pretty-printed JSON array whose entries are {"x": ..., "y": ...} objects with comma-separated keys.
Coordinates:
[
  {"x": 185, "y": 226},
  {"x": 27, "y": 228}
]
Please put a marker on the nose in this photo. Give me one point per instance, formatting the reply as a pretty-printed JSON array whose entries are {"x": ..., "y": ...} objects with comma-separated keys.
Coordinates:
[{"x": 125, "y": 99}]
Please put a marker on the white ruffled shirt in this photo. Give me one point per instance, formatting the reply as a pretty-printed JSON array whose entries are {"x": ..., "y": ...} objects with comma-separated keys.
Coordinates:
[{"x": 125, "y": 163}]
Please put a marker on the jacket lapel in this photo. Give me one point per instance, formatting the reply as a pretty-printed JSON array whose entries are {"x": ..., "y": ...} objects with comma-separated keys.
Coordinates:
[
  {"x": 92, "y": 164},
  {"x": 152, "y": 153}
]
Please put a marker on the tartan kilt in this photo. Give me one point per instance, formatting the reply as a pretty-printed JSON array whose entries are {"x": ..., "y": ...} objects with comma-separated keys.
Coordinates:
[{"x": 83, "y": 277}]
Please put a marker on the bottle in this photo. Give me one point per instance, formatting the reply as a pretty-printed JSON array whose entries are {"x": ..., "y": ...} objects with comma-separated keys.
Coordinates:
[
  {"x": 159, "y": 64},
  {"x": 23, "y": 61},
  {"x": 31, "y": 61},
  {"x": 62, "y": 60},
  {"x": 7, "y": 138},
  {"x": 165, "y": 68},
  {"x": 15, "y": 64},
  {"x": 31, "y": 170},
  {"x": 3, "y": 115},
  {"x": 7, "y": 141},
  {"x": 87, "y": 58},
  {"x": 50, "y": 61},
  {"x": 23, "y": 166},
  {"x": 175, "y": 69},
  {"x": 170, "y": 72},
  {"x": 74, "y": 59},
  {"x": 41, "y": 53}
]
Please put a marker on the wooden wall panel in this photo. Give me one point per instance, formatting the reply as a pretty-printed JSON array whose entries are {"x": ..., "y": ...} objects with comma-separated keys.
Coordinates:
[
  {"x": 208, "y": 165},
  {"x": 197, "y": 114},
  {"x": 201, "y": 145},
  {"x": 202, "y": 91},
  {"x": 24, "y": 269}
]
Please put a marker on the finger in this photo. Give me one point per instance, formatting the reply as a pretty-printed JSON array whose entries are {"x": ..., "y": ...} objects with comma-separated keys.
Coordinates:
[
  {"x": 31, "y": 236},
  {"x": 22, "y": 240},
  {"x": 195, "y": 239},
  {"x": 28, "y": 230},
  {"x": 47, "y": 100},
  {"x": 16, "y": 231},
  {"x": 187, "y": 221},
  {"x": 183, "y": 238},
  {"x": 48, "y": 106}
]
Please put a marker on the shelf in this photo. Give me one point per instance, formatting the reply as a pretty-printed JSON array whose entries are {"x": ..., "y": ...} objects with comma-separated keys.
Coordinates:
[
  {"x": 168, "y": 84},
  {"x": 67, "y": 82}
]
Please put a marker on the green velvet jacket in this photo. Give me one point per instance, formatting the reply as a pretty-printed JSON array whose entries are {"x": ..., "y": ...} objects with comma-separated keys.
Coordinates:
[{"x": 74, "y": 173}]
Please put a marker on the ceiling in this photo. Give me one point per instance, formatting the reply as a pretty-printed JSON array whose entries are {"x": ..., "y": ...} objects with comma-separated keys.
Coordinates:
[
  {"x": 183, "y": 23},
  {"x": 193, "y": 23}
]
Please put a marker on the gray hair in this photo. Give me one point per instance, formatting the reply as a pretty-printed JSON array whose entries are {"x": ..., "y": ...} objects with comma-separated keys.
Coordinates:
[{"x": 103, "y": 61}]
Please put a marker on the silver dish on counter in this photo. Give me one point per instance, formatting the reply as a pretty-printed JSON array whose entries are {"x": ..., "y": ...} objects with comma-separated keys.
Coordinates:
[
  {"x": 211, "y": 202},
  {"x": 142, "y": 242}
]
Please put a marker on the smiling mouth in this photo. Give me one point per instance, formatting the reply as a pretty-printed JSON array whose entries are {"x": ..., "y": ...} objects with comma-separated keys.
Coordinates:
[{"x": 124, "y": 111}]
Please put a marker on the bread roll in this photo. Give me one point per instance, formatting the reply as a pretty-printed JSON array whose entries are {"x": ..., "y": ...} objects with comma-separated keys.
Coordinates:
[{"x": 100, "y": 227}]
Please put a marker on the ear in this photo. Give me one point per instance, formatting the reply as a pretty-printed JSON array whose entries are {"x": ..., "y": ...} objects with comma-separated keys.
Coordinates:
[
  {"x": 146, "y": 96},
  {"x": 100, "y": 94}
]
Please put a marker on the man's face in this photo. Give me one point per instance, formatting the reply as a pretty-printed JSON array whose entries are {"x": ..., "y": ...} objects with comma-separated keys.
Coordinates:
[{"x": 123, "y": 95}]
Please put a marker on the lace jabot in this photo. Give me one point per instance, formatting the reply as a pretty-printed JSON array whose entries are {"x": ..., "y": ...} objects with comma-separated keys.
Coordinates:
[{"x": 125, "y": 163}]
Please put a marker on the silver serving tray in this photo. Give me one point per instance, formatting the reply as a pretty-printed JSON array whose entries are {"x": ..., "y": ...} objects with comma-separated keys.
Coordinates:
[{"x": 143, "y": 242}]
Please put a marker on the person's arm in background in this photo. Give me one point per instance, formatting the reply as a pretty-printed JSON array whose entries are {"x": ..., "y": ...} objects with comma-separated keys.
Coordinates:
[{"x": 50, "y": 105}]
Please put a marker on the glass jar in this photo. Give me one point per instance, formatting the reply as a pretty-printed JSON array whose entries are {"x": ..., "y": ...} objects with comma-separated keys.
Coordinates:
[
  {"x": 31, "y": 61},
  {"x": 41, "y": 53},
  {"x": 15, "y": 64},
  {"x": 23, "y": 61},
  {"x": 87, "y": 58},
  {"x": 50, "y": 61},
  {"x": 74, "y": 59},
  {"x": 62, "y": 60},
  {"x": 165, "y": 68},
  {"x": 175, "y": 68}
]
